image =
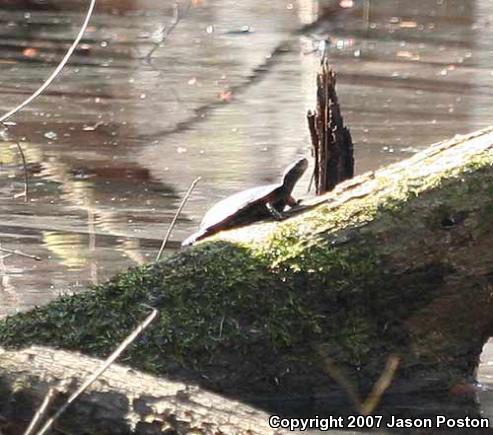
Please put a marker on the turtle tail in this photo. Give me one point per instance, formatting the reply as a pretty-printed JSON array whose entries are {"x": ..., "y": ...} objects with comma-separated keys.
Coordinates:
[{"x": 193, "y": 238}]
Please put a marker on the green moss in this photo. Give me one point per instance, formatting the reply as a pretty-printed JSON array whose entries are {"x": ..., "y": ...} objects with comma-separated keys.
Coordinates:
[{"x": 236, "y": 311}]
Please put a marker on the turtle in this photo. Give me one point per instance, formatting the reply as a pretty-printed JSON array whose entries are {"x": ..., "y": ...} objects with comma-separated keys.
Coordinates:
[{"x": 251, "y": 205}]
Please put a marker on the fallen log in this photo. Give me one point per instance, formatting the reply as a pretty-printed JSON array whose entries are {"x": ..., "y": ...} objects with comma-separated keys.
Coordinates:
[
  {"x": 398, "y": 262},
  {"x": 122, "y": 400}
]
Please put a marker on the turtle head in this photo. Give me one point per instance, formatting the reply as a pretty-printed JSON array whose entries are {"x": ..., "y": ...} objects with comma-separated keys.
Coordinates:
[{"x": 293, "y": 173}]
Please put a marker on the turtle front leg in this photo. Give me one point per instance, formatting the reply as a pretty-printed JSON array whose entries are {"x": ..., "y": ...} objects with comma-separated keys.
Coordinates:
[
  {"x": 292, "y": 202},
  {"x": 276, "y": 214}
]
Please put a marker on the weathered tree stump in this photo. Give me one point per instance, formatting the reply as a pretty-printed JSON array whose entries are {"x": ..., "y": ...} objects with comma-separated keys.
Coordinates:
[
  {"x": 393, "y": 262},
  {"x": 332, "y": 144}
]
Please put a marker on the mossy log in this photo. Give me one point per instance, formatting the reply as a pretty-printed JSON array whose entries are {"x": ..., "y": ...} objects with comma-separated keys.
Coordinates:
[{"x": 393, "y": 262}]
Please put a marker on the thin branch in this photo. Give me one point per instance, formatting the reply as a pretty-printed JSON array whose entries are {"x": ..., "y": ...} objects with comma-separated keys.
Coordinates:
[
  {"x": 40, "y": 413},
  {"x": 336, "y": 374},
  {"x": 221, "y": 326},
  {"x": 175, "y": 218},
  {"x": 58, "y": 69},
  {"x": 382, "y": 384},
  {"x": 101, "y": 369},
  {"x": 367, "y": 406},
  {"x": 26, "y": 176},
  {"x": 20, "y": 253}
]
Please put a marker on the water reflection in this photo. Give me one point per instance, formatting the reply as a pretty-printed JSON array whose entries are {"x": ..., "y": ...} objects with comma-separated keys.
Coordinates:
[{"x": 114, "y": 144}]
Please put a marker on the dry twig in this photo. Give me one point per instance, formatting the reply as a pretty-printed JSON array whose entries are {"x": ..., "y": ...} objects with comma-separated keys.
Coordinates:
[
  {"x": 379, "y": 388},
  {"x": 45, "y": 85},
  {"x": 339, "y": 377},
  {"x": 367, "y": 406},
  {"x": 57, "y": 70},
  {"x": 175, "y": 218},
  {"x": 40, "y": 413},
  {"x": 101, "y": 369}
]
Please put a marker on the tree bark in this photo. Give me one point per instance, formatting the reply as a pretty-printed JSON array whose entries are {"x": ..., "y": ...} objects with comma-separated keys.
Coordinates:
[
  {"x": 121, "y": 401},
  {"x": 395, "y": 262}
]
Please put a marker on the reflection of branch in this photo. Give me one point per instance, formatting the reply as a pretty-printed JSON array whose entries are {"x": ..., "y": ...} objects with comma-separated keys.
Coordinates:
[
  {"x": 367, "y": 406},
  {"x": 175, "y": 218},
  {"x": 4, "y": 134},
  {"x": 20, "y": 253},
  {"x": 178, "y": 15},
  {"x": 57, "y": 70},
  {"x": 26, "y": 176},
  {"x": 110, "y": 360}
]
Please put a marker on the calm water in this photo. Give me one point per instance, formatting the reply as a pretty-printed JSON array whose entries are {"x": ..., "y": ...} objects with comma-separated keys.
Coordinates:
[{"x": 113, "y": 145}]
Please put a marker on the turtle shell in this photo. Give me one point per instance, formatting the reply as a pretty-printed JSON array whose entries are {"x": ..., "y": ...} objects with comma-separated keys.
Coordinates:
[
  {"x": 243, "y": 205},
  {"x": 250, "y": 205},
  {"x": 239, "y": 209}
]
